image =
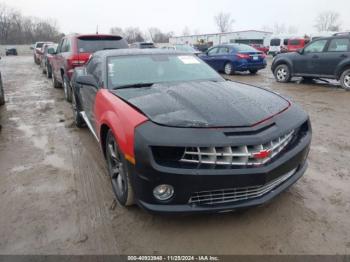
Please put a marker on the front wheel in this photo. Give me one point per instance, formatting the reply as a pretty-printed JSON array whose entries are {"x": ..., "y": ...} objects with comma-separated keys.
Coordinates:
[
  {"x": 118, "y": 172},
  {"x": 345, "y": 80},
  {"x": 228, "y": 69},
  {"x": 282, "y": 74},
  {"x": 48, "y": 71},
  {"x": 78, "y": 119}
]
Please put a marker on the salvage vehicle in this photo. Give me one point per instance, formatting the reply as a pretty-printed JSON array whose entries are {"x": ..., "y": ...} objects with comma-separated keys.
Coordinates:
[
  {"x": 295, "y": 44},
  {"x": 37, "y": 51},
  {"x": 235, "y": 57},
  {"x": 49, "y": 51},
  {"x": 178, "y": 138},
  {"x": 278, "y": 45},
  {"x": 327, "y": 57},
  {"x": 75, "y": 50},
  {"x": 11, "y": 51},
  {"x": 261, "y": 48}
]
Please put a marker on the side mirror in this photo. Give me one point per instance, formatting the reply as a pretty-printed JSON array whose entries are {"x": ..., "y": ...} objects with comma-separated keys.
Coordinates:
[
  {"x": 301, "y": 51},
  {"x": 87, "y": 80}
]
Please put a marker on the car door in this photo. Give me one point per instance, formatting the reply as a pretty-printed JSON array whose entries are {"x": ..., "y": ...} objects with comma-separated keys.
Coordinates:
[
  {"x": 308, "y": 62},
  {"x": 88, "y": 92},
  {"x": 337, "y": 51},
  {"x": 223, "y": 55},
  {"x": 211, "y": 57}
]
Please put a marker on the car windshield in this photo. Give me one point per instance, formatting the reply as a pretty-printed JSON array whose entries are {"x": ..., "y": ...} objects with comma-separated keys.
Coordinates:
[
  {"x": 244, "y": 48},
  {"x": 185, "y": 48},
  {"x": 93, "y": 44},
  {"x": 159, "y": 68},
  {"x": 275, "y": 42}
]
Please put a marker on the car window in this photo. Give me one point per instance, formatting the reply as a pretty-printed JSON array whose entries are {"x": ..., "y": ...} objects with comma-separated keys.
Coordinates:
[
  {"x": 95, "y": 69},
  {"x": 223, "y": 50},
  {"x": 316, "y": 47},
  {"x": 285, "y": 41},
  {"x": 213, "y": 51},
  {"x": 275, "y": 42},
  {"x": 339, "y": 45}
]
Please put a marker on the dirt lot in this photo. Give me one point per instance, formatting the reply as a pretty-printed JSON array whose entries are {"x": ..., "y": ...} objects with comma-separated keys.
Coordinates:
[{"x": 56, "y": 197}]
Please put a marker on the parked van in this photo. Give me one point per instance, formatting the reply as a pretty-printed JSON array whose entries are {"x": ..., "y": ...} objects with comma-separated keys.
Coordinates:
[
  {"x": 296, "y": 44},
  {"x": 278, "y": 45}
]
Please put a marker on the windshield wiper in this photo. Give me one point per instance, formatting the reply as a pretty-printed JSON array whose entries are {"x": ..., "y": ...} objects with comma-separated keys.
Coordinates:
[{"x": 137, "y": 85}]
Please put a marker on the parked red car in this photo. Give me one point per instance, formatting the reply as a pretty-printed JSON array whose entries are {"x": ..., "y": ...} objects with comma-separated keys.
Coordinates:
[
  {"x": 261, "y": 48},
  {"x": 296, "y": 44},
  {"x": 75, "y": 50}
]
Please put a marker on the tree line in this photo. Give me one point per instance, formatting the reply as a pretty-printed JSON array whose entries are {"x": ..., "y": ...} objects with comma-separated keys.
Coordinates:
[{"x": 18, "y": 29}]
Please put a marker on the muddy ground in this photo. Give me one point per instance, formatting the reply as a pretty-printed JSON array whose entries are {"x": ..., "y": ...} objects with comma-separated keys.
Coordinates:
[{"x": 55, "y": 197}]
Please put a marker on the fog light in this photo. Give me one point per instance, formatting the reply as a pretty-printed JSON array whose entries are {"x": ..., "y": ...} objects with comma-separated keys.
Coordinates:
[{"x": 163, "y": 192}]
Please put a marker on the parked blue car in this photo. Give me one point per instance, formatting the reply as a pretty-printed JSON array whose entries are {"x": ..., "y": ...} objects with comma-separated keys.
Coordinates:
[{"x": 229, "y": 58}]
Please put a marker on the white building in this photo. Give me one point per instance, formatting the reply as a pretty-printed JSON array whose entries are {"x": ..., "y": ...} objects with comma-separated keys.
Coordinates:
[{"x": 244, "y": 37}]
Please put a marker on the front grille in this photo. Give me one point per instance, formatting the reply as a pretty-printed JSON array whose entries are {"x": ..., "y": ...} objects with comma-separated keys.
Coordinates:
[
  {"x": 226, "y": 196},
  {"x": 245, "y": 155}
]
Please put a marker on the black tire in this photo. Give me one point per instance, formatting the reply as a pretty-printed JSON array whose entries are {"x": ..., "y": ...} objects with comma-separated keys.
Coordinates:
[
  {"x": 282, "y": 73},
  {"x": 76, "y": 107},
  {"x": 253, "y": 72},
  {"x": 345, "y": 79},
  {"x": 55, "y": 83},
  {"x": 2, "y": 95},
  {"x": 67, "y": 89},
  {"x": 48, "y": 71},
  {"x": 118, "y": 172},
  {"x": 229, "y": 69}
]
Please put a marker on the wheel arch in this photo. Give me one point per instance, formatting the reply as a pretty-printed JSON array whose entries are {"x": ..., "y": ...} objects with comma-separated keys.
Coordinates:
[
  {"x": 283, "y": 62},
  {"x": 341, "y": 68}
]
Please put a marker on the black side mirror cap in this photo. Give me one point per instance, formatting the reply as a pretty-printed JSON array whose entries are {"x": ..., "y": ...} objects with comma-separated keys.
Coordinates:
[{"x": 88, "y": 80}]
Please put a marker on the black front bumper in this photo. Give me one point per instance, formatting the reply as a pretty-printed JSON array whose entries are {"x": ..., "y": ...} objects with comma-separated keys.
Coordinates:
[{"x": 147, "y": 173}]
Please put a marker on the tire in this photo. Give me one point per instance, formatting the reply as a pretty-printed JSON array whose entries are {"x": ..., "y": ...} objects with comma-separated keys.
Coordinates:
[
  {"x": 55, "y": 83},
  {"x": 48, "y": 71},
  {"x": 78, "y": 119},
  {"x": 118, "y": 172},
  {"x": 253, "y": 72},
  {"x": 2, "y": 95},
  {"x": 228, "y": 69},
  {"x": 345, "y": 79},
  {"x": 67, "y": 89},
  {"x": 282, "y": 73}
]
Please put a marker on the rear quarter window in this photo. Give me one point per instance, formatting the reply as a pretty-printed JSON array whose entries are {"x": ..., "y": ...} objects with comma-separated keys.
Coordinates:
[{"x": 339, "y": 45}]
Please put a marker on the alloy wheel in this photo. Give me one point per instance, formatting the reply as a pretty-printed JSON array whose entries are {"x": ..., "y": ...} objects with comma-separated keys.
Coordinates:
[
  {"x": 347, "y": 81},
  {"x": 282, "y": 74},
  {"x": 228, "y": 69},
  {"x": 116, "y": 168}
]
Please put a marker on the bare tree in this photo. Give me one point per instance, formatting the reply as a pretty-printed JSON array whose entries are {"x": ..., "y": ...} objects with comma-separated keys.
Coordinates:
[
  {"x": 116, "y": 31},
  {"x": 134, "y": 34},
  {"x": 224, "y": 22},
  {"x": 18, "y": 29},
  {"x": 158, "y": 36},
  {"x": 328, "y": 21}
]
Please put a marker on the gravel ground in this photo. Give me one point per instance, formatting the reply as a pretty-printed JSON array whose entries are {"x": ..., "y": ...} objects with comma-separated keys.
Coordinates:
[{"x": 57, "y": 199}]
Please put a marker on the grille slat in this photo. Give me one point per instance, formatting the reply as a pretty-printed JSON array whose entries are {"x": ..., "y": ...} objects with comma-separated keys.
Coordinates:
[
  {"x": 236, "y": 155},
  {"x": 223, "y": 196}
]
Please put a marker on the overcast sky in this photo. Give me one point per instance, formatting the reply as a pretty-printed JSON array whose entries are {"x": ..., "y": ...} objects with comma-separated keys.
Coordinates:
[{"x": 82, "y": 16}]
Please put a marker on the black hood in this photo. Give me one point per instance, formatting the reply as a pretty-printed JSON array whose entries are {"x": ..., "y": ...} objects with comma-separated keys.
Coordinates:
[{"x": 204, "y": 104}]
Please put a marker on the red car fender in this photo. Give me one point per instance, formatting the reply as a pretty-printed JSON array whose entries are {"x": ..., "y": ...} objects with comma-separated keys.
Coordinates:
[{"x": 120, "y": 117}]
